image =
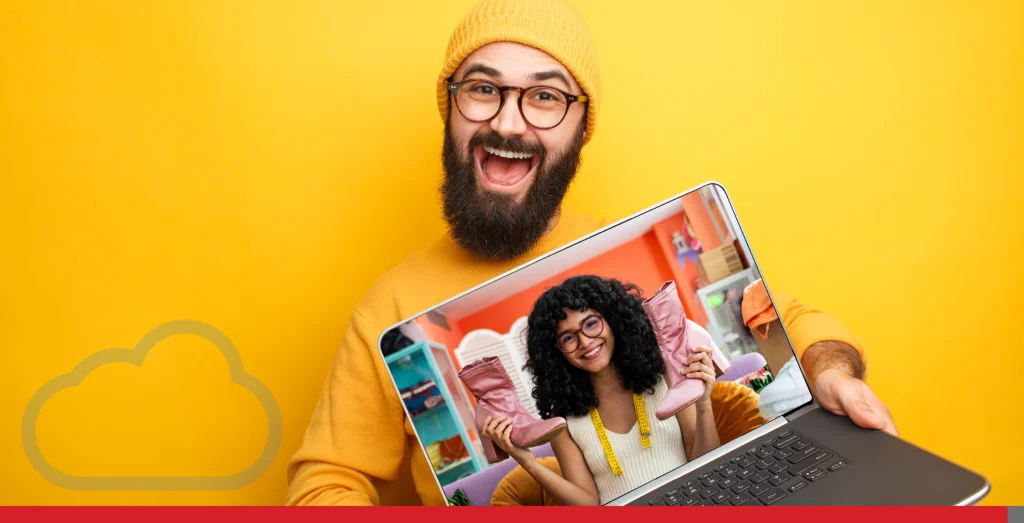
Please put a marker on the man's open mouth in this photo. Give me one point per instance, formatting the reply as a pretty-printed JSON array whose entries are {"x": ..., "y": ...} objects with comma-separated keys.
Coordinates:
[{"x": 504, "y": 171}]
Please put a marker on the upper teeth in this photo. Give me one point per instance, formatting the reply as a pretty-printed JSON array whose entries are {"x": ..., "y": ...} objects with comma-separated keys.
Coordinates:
[
  {"x": 590, "y": 352},
  {"x": 507, "y": 154}
]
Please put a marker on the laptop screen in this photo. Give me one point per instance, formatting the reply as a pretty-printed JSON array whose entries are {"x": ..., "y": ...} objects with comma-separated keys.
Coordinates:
[{"x": 615, "y": 360}]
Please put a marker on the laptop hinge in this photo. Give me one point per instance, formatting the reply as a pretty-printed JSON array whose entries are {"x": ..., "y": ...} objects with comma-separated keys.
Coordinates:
[{"x": 810, "y": 407}]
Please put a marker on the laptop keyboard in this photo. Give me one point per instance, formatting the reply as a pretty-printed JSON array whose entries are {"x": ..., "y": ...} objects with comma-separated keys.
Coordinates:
[{"x": 777, "y": 466}]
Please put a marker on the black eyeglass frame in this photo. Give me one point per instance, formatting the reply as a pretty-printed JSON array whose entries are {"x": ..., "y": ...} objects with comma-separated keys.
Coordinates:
[{"x": 453, "y": 88}]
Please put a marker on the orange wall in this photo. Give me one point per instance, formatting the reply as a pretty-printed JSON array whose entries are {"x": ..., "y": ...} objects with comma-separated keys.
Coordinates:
[
  {"x": 703, "y": 224},
  {"x": 449, "y": 338},
  {"x": 684, "y": 276},
  {"x": 638, "y": 261},
  {"x": 647, "y": 261}
]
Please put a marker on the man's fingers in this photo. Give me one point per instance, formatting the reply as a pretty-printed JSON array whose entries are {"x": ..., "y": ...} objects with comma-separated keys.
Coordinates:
[
  {"x": 859, "y": 410},
  {"x": 883, "y": 411}
]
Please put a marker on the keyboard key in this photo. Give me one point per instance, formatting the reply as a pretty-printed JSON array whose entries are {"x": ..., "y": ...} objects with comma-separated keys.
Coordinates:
[
  {"x": 797, "y": 486},
  {"x": 785, "y": 433},
  {"x": 690, "y": 483},
  {"x": 673, "y": 499},
  {"x": 747, "y": 461},
  {"x": 821, "y": 456},
  {"x": 803, "y": 454},
  {"x": 764, "y": 463},
  {"x": 710, "y": 481},
  {"x": 815, "y": 476},
  {"x": 655, "y": 502},
  {"x": 706, "y": 503},
  {"x": 672, "y": 492},
  {"x": 751, "y": 450},
  {"x": 708, "y": 492},
  {"x": 728, "y": 482},
  {"x": 739, "y": 499},
  {"x": 719, "y": 468},
  {"x": 777, "y": 479},
  {"x": 836, "y": 466},
  {"x": 763, "y": 453},
  {"x": 745, "y": 473},
  {"x": 768, "y": 442},
  {"x": 783, "y": 443},
  {"x": 720, "y": 498},
  {"x": 801, "y": 445},
  {"x": 760, "y": 476},
  {"x": 757, "y": 490},
  {"x": 777, "y": 468},
  {"x": 692, "y": 500},
  {"x": 819, "y": 459},
  {"x": 782, "y": 454},
  {"x": 729, "y": 471},
  {"x": 735, "y": 460},
  {"x": 772, "y": 496},
  {"x": 704, "y": 476},
  {"x": 691, "y": 490},
  {"x": 741, "y": 487}
]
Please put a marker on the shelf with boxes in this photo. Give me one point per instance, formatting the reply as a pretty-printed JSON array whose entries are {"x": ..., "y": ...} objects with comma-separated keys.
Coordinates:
[{"x": 439, "y": 409}]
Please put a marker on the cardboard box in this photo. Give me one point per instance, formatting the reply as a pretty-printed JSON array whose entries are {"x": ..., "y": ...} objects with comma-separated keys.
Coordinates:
[{"x": 719, "y": 263}]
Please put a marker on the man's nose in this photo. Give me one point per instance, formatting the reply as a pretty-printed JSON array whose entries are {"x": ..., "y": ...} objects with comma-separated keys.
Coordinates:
[{"x": 509, "y": 121}]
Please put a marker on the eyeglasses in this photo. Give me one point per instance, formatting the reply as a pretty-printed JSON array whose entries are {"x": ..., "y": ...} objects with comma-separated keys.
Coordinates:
[
  {"x": 542, "y": 107},
  {"x": 592, "y": 326}
]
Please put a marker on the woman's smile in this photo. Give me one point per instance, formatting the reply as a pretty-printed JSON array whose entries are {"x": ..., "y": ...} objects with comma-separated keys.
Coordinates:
[{"x": 592, "y": 352}]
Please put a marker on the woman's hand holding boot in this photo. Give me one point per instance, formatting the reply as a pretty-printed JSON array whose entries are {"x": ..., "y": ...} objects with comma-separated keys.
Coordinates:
[{"x": 499, "y": 430}]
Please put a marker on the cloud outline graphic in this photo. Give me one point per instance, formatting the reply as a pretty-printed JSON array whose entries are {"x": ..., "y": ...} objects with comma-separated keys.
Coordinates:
[{"x": 137, "y": 356}]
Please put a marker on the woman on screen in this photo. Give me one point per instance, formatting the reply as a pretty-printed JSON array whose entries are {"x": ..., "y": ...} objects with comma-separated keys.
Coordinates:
[{"x": 595, "y": 361}]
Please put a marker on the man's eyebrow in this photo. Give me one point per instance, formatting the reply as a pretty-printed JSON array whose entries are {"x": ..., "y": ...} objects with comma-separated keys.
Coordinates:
[
  {"x": 548, "y": 75},
  {"x": 481, "y": 68}
]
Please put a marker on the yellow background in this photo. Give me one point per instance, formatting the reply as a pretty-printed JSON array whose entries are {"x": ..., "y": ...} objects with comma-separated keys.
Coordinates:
[{"x": 255, "y": 165}]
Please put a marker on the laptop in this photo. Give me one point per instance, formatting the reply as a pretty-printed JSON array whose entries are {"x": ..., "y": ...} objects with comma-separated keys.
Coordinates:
[{"x": 777, "y": 447}]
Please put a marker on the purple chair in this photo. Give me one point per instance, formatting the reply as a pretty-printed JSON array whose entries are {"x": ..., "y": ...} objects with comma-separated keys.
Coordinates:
[
  {"x": 480, "y": 487},
  {"x": 745, "y": 364}
]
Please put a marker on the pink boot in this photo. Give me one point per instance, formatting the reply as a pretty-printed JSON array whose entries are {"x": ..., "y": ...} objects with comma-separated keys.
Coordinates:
[
  {"x": 496, "y": 396},
  {"x": 677, "y": 336}
]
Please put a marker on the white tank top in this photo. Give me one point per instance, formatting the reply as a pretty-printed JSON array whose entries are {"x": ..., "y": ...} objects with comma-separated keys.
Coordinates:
[{"x": 639, "y": 465}]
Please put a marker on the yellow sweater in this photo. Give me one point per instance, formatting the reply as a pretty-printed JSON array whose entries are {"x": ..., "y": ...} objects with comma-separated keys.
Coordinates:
[{"x": 355, "y": 451}]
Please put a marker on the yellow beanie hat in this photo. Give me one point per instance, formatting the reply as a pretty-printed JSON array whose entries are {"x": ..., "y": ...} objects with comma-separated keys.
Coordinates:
[{"x": 552, "y": 26}]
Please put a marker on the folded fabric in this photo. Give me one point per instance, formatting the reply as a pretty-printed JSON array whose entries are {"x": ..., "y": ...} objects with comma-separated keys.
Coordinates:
[
  {"x": 757, "y": 308},
  {"x": 786, "y": 392}
]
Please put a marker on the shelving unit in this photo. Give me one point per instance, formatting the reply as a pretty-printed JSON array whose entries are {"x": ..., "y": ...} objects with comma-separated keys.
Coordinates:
[
  {"x": 452, "y": 417},
  {"x": 735, "y": 344}
]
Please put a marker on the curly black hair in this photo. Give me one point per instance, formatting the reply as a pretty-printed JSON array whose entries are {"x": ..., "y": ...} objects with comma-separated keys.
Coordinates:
[{"x": 564, "y": 390}]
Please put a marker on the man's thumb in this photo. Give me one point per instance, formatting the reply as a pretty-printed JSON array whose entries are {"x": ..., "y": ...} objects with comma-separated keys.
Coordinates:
[{"x": 860, "y": 412}]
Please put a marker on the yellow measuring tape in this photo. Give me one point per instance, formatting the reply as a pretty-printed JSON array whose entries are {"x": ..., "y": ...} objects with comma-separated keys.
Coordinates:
[{"x": 641, "y": 421}]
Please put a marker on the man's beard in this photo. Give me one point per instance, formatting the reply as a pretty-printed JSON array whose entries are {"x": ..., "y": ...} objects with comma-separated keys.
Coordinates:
[{"x": 494, "y": 225}]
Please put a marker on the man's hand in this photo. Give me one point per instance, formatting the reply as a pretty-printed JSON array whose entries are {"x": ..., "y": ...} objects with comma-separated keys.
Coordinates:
[
  {"x": 842, "y": 394},
  {"x": 835, "y": 370}
]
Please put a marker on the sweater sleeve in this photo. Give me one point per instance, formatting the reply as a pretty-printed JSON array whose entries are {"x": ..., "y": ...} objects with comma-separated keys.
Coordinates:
[
  {"x": 807, "y": 325},
  {"x": 356, "y": 433}
]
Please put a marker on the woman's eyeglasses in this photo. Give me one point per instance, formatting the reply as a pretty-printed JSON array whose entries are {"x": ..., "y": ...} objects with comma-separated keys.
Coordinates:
[
  {"x": 592, "y": 326},
  {"x": 542, "y": 107}
]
